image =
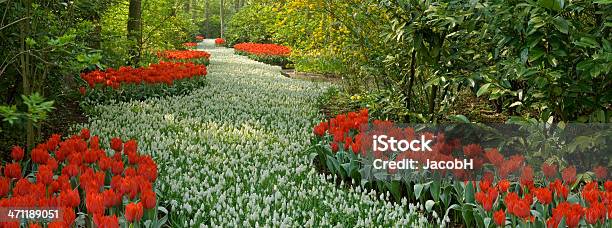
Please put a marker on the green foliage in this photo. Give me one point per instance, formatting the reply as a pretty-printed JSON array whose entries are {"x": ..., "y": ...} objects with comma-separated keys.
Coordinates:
[
  {"x": 131, "y": 92},
  {"x": 254, "y": 23},
  {"x": 36, "y": 110},
  {"x": 164, "y": 27},
  {"x": 529, "y": 58},
  {"x": 553, "y": 58},
  {"x": 276, "y": 60}
]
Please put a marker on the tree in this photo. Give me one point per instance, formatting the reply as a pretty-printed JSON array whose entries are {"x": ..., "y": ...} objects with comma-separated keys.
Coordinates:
[
  {"x": 134, "y": 30},
  {"x": 207, "y": 17},
  {"x": 221, "y": 9}
]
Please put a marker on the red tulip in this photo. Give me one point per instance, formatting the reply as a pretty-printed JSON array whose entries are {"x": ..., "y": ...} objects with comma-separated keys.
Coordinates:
[
  {"x": 106, "y": 221},
  {"x": 544, "y": 195},
  {"x": 44, "y": 175},
  {"x": 85, "y": 134},
  {"x": 70, "y": 198},
  {"x": 472, "y": 150},
  {"x": 600, "y": 172},
  {"x": 494, "y": 157},
  {"x": 148, "y": 199},
  {"x": 17, "y": 153},
  {"x": 569, "y": 175},
  {"x": 608, "y": 186},
  {"x": 116, "y": 144},
  {"x": 334, "y": 147},
  {"x": 22, "y": 188},
  {"x": 549, "y": 170},
  {"x": 68, "y": 215},
  {"x": 499, "y": 217},
  {"x": 320, "y": 129},
  {"x": 117, "y": 167},
  {"x": 595, "y": 213},
  {"x": 94, "y": 203},
  {"x": 4, "y": 186},
  {"x": 503, "y": 185},
  {"x": 12, "y": 170},
  {"x": 486, "y": 199},
  {"x": 40, "y": 156},
  {"x": 133, "y": 212},
  {"x": 57, "y": 224}
]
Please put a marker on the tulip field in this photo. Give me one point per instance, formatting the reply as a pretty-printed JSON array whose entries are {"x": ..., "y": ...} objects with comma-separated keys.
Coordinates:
[
  {"x": 233, "y": 154},
  {"x": 238, "y": 151},
  {"x": 305, "y": 113}
]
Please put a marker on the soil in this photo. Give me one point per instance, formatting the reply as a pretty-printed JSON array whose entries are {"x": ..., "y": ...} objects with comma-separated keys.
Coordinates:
[
  {"x": 292, "y": 73},
  {"x": 67, "y": 113}
]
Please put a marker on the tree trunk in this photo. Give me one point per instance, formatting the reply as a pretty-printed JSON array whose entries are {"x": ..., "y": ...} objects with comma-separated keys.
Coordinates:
[
  {"x": 97, "y": 31},
  {"x": 193, "y": 11},
  {"x": 221, "y": 9},
  {"x": 207, "y": 19},
  {"x": 25, "y": 63},
  {"x": 134, "y": 30}
]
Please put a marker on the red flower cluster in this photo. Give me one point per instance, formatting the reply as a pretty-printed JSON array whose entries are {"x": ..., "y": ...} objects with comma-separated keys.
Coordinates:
[
  {"x": 190, "y": 44},
  {"x": 199, "y": 37},
  {"x": 263, "y": 49},
  {"x": 343, "y": 129},
  {"x": 163, "y": 72},
  {"x": 77, "y": 174},
  {"x": 184, "y": 54},
  {"x": 219, "y": 41},
  {"x": 596, "y": 211}
]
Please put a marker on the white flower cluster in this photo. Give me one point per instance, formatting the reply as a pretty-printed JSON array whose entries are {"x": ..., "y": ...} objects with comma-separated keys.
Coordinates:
[{"x": 231, "y": 153}]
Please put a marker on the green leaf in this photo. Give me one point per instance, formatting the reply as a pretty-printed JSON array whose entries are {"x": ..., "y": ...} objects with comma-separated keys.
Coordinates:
[
  {"x": 552, "y": 4},
  {"x": 516, "y": 104},
  {"x": 483, "y": 89},
  {"x": 460, "y": 118},
  {"x": 561, "y": 24},
  {"x": 395, "y": 188},
  {"x": 418, "y": 188},
  {"x": 469, "y": 192},
  {"x": 467, "y": 215},
  {"x": 562, "y": 224},
  {"x": 454, "y": 206},
  {"x": 30, "y": 42},
  {"x": 434, "y": 188},
  {"x": 587, "y": 42}
]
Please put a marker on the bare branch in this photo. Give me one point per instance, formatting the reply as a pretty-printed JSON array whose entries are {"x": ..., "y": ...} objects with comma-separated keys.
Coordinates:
[{"x": 14, "y": 22}]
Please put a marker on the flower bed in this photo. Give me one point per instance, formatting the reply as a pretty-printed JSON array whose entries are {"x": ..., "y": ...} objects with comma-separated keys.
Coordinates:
[
  {"x": 509, "y": 192},
  {"x": 232, "y": 154},
  {"x": 156, "y": 80},
  {"x": 267, "y": 53},
  {"x": 79, "y": 178},
  {"x": 219, "y": 42},
  {"x": 197, "y": 57},
  {"x": 190, "y": 45},
  {"x": 199, "y": 37}
]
